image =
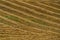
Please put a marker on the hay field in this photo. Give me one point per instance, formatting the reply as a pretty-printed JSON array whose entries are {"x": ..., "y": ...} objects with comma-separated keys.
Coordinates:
[{"x": 29, "y": 20}]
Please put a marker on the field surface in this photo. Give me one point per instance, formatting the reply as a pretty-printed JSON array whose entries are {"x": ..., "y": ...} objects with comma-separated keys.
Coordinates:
[{"x": 29, "y": 20}]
